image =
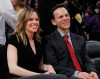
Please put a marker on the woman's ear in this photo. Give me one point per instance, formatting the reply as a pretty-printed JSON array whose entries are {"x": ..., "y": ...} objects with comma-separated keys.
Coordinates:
[{"x": 53, "y": 22}]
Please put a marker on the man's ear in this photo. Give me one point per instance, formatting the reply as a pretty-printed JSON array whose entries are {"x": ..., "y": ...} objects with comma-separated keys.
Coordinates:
[{"x": 53, "y": 22}]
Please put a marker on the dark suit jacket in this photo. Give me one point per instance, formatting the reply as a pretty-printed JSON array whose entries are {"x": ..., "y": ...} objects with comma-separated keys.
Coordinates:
[{"x": 57, "y": 54}]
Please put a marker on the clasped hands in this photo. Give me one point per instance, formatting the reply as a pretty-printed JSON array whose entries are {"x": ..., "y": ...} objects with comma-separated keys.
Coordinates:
[
  {"x": 50, "y": 70},
  {"x": 85, "y": 75}
]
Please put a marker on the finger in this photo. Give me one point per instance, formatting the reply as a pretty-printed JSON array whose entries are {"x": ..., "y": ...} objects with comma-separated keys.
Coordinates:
[
  {"x": 87, "y": 76},
  {"x": 96, "y": 77},
  {"x": 52, "y": 72},
  {"x": 83, "y": 77},
  {"x": 46, "y": 73}
]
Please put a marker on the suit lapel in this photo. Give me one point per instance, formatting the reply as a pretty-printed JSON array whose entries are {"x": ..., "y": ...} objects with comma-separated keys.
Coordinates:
[
  {"x": 60, "y": 40},
  {"x": 62, "y": 43},
  {"x": 74, "y": 42}
]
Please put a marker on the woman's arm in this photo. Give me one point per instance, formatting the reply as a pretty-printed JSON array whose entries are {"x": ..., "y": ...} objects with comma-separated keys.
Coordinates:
[
  {"x": 12, "y": 58},
  {"x": 49, "y": 68}
]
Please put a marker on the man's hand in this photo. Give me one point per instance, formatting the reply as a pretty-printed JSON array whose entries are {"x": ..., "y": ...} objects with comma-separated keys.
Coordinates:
[
  {"x": 84, "y": 75},
  {"x": 94, "y": 75}
]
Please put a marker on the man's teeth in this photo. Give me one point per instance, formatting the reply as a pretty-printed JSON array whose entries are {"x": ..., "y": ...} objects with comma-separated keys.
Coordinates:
[{"x": 65, "y": 23}]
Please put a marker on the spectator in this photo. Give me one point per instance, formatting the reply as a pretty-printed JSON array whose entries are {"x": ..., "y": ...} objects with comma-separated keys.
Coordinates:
[
  {"x": 8, "y": 15},
  {"x": 24, "y": 52},
  {"x": 18, "y": 5},
  {"x": 67, "y": 51},
  {"x": 93, "y": 24},
  {"x": 44, "y": 7}
]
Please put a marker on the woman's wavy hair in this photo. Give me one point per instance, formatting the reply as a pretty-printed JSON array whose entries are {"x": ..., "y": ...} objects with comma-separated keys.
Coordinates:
[{"x": 21, "y": 24}]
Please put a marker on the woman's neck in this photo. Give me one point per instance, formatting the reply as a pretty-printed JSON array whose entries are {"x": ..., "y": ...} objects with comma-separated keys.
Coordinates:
[{"x": 30, "y": 35}]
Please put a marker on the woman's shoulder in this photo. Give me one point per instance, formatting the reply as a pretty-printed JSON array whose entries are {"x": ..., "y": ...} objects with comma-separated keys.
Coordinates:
[{"x": 12, "y": 39}]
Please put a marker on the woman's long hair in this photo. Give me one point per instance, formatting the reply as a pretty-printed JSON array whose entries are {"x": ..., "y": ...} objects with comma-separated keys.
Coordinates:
[{"x": 21, "y": 24}]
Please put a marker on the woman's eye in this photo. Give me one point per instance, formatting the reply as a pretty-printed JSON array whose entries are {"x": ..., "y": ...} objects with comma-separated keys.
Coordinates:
[{"x": 30, "y": 19}]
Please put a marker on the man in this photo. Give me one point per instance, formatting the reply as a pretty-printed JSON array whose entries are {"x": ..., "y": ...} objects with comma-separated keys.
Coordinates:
[
  {"x": 8, "y": 15},
  {"x": 44, "y": 7},
  {"x": 57, "y": 52}
]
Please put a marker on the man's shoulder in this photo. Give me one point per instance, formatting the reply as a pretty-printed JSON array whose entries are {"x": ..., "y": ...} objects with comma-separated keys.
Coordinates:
[{"x": 73, "y": 35}]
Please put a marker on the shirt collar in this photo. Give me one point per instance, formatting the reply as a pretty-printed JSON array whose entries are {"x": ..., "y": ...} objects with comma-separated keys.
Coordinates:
[{"x": 62, "y": 34}]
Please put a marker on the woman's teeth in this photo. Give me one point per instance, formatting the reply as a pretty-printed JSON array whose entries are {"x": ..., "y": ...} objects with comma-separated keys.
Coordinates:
[{"x": 33, "y": 26}]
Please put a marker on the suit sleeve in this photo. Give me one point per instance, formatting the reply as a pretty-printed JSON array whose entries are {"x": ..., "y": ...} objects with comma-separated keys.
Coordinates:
[{"x": 51, "y": 57}]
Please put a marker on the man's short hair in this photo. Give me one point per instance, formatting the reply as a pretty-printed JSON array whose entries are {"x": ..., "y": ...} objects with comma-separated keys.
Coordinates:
[{"x": 56, "y": 7}]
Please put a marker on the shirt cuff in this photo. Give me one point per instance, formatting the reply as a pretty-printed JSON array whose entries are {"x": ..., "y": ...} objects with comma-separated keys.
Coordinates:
[{"x": 75, "y": 73}]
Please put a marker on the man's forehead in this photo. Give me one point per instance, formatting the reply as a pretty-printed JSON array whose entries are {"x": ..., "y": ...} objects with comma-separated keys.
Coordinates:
[{"x": 60, "y": 11}]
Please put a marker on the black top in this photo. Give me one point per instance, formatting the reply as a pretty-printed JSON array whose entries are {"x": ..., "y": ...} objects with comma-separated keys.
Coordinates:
[{"x": 26, "y": 57}]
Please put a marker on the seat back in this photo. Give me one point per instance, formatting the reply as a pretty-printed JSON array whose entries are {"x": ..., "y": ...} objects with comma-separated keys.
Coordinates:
[
  {"x": 93, "y": 49},
  {"x": 96, "y": 62}
]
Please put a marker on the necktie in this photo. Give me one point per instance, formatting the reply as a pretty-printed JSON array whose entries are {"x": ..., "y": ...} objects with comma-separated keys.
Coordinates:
[{"x": 72, "y": 54}]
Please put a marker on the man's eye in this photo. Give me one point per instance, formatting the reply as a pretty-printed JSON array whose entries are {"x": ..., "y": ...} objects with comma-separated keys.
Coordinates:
[
  {"x": 66, "y": 15},
  {"x": 60, "y": 16}
]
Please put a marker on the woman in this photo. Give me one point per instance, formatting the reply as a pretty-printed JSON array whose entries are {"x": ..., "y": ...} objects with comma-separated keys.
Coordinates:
[
  {"x": 18, "y": 5},
  {"x": 24, "y": 52}
]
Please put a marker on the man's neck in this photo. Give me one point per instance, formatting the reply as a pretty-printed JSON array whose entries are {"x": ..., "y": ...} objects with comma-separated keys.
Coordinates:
[
  {"x": 65, "y": 31},
  {"x": 17, "y": 8}
]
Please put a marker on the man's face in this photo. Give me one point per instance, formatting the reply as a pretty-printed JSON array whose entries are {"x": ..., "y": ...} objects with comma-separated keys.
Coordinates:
[
  {"x": 97, "y": 10},
  {"x": 62, "y": 19},
  {"x": 14, "y": 3}
]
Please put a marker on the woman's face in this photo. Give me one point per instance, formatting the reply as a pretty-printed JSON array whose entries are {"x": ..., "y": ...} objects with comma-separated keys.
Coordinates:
[
  {"x": 32, "y": 24},
  {"x": 29, "y": 2},
  {"x": 14, "y": 3}
]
